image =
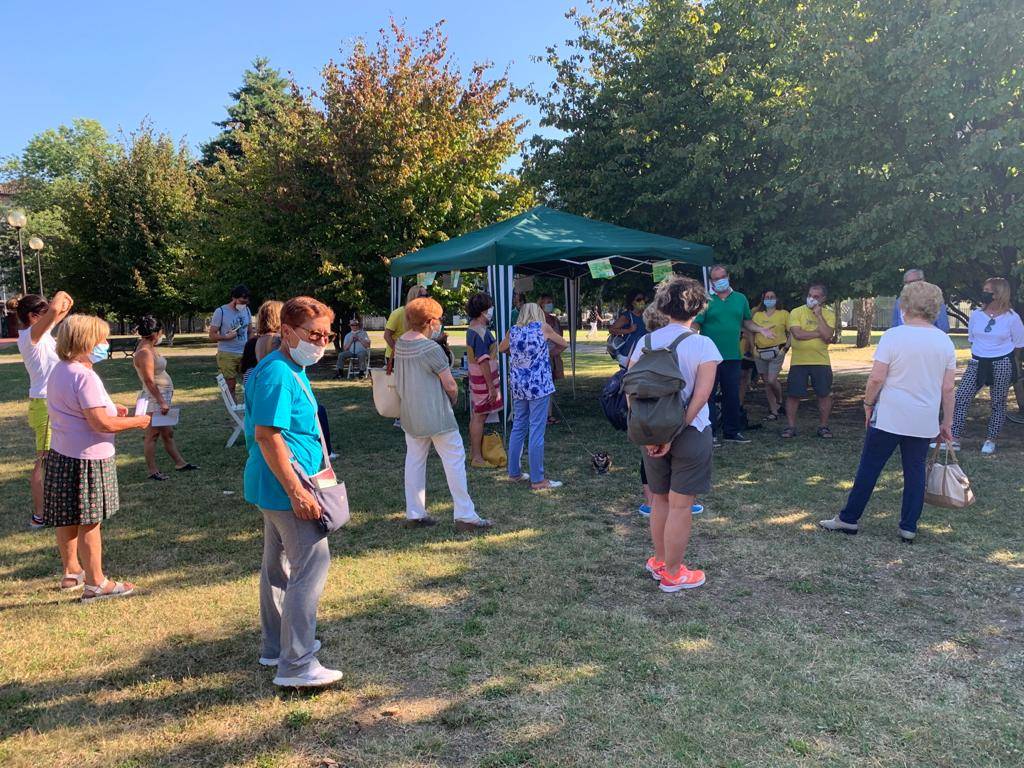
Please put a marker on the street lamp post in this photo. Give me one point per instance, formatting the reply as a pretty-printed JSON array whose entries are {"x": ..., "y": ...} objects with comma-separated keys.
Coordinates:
[
  {"x": 17, "y": 219},
  {"x": 36, "y": 244}
]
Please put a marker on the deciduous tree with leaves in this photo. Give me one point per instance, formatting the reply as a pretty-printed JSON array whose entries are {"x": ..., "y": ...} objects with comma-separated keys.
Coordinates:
[
  {"x": 395, "y": 150},
  {"x": 128, "y": 226}
]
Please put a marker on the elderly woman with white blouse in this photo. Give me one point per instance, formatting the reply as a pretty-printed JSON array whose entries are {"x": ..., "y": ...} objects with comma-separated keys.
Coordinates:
[
  {"x": 912, "y": 376},
  {"x": 995, "y": 332}
]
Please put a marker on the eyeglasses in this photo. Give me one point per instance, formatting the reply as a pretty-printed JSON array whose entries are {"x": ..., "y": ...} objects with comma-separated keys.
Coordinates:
[
  {"x": 317, "y": 337},
  {"x": 991, "y": 324}
]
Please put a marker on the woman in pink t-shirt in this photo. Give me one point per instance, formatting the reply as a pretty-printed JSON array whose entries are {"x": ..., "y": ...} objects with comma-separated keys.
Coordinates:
[{"x": 80, "y": 488}]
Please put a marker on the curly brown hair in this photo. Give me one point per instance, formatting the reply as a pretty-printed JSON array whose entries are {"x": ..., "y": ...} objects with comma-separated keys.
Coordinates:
[{"x": 681, "y": 298}]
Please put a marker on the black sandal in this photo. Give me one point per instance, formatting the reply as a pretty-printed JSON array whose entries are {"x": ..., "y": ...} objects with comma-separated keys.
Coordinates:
[
  {"x": 186, "y": 468},
  {"x": 824, "y": 432},
  {"x": 158, "y": 476},
  {"x": 789, "y": 432}
]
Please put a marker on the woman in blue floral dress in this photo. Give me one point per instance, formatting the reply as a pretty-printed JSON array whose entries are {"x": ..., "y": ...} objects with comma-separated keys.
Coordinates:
[{"x": 532, "y": 386}]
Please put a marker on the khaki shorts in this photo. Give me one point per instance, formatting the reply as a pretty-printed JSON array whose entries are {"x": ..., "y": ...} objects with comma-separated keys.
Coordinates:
[
  {"x": 686, "y": 468},
  {"x": 228, "y": 363},
  {"x": 39, "y": 420},
  {"x": 773, "y": 366}
]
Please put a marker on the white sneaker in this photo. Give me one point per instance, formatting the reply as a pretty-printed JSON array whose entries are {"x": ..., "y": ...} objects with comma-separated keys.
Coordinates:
[
  {"x": 268, "y": 662},
  {"x": 332, "y": 456},
  {"x": 397, "y": 424},
  {"x": 988, "y": 448},
  {"x": 318, "y": 677}
]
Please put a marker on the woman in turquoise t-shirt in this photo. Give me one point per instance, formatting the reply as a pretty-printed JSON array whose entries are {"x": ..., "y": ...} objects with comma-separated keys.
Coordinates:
[{"x": 281, "y": 425}]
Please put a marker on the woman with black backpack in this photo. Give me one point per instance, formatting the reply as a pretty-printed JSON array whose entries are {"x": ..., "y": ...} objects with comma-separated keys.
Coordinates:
[{"x": 680, "y": 470}]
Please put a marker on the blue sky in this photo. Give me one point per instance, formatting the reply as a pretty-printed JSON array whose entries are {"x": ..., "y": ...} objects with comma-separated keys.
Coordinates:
[{"x": 175, "y": 63}]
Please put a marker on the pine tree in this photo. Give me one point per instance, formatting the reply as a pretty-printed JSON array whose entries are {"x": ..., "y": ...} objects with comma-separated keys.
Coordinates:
[{"x": 263, "y": 93}]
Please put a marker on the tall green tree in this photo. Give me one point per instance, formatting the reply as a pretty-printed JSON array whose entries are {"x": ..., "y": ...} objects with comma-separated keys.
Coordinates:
[
  {"x": 263, "y": 94},
  {"x": 52, "y": 168},
  {"x": 129, "y": 224},
  {"x": 395, "y": 150},
  {"x": 831, "y": 140}
]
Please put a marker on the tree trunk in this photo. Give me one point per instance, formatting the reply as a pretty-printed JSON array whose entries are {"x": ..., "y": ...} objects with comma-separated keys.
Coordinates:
[{"x": 863, "y": 319}]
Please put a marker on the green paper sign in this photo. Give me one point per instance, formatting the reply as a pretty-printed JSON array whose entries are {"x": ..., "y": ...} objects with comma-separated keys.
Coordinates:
[
  {"x": 661, "y": 270},
  {"x": 601, "y": 269},
  {"x": 456, "y": 276},
  {"x": 426, "y": 279}
]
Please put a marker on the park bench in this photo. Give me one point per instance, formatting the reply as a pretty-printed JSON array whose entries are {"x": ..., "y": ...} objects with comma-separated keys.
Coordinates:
[{"x": 124, "y": 346}]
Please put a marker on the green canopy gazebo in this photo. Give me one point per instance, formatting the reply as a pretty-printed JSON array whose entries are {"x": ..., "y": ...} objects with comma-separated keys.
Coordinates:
[{"x": 544, "y": 241}]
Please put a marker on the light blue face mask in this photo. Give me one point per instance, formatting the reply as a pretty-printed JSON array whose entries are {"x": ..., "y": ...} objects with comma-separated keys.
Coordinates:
[
  {"x": 770, "y": 303},
  {"x": 721, "y": 285},
  {"x": 100, "y": 353}
]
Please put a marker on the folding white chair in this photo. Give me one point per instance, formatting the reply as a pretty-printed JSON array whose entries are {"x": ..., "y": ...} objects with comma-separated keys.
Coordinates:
[{"x": 235, "y": 411}]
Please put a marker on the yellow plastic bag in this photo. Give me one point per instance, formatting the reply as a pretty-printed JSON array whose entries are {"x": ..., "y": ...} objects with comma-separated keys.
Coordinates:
[{"x": 494, "y": 450}]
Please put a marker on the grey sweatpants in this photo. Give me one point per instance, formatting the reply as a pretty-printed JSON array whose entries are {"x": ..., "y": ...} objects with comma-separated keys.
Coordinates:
[{"x": 295, "y": 563}]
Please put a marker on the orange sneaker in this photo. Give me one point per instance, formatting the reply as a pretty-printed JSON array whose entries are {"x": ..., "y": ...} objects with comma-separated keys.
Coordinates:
[
  {"x": 681, "y": 579},
  {"x": 655, "y": 567}
]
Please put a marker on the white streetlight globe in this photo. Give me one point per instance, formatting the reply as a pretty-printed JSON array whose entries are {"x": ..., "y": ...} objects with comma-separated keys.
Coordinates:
[
  {"x": 35, "y": 243},
  {"x": 17, "y": 219}
]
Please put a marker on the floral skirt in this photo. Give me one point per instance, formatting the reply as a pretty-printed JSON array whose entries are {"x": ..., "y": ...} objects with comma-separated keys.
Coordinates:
[{"x": 79, "y": 491}]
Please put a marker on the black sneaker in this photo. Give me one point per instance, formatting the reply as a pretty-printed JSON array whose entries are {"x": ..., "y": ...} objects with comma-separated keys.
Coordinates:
[{"x": 739, "y": 437}]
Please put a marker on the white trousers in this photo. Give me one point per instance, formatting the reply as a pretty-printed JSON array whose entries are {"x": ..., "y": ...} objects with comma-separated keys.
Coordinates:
[{"x": 453, "y": 455}]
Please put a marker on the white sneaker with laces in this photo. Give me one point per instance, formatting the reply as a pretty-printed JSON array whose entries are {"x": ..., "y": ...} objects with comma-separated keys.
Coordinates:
[
  {"x": 988, "y": 447},
  {"x": 317, "y": 677}
]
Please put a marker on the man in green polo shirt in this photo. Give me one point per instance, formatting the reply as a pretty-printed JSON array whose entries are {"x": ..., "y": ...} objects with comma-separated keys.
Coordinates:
[{"x": 727, "y": 315}]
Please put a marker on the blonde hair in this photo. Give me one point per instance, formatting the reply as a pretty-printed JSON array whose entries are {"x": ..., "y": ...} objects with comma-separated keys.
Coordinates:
[
  {"x": 1000, "y": 293},
  {"x": 921, "y": 299},
  {"x": 654, "y": 318},
  {"x": 268, "y": 317},
  {"x": 79, "y": 334},
  {"x": 530, "y": 313},
  {"x": 414, "y": 293}
]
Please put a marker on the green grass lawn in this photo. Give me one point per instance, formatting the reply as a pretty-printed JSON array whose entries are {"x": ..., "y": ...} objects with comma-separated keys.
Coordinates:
[{"x": 542, "y": 643}]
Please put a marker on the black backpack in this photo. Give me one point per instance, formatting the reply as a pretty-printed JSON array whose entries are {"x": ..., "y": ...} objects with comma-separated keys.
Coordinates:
[{"x": 613, "y": 401}]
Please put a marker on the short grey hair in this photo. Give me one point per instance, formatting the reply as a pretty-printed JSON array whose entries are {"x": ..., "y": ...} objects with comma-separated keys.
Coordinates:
[
  {"x": 916, "y": 272},
  {"x": 718, "y": 266}
]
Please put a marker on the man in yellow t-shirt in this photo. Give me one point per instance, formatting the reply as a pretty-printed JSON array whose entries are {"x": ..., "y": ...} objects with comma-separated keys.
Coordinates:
[
  {"x": 811, "y": 327},
  {"x": 395, "y": 325}
]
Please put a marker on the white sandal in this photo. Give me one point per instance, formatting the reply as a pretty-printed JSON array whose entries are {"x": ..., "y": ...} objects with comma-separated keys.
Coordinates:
[
  {"x": 78, "y": 578},
  {"x": 121, "y": 589}
]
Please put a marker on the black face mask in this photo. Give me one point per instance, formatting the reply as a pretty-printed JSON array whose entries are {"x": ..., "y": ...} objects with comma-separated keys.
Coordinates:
[{"x": 987, "y": 297}]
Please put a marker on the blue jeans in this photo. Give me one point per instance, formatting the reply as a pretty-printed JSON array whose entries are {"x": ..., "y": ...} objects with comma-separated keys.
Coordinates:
[
  {"x": 727, "y": 381},
  {"x": 878, "y": 447},
  {"x": 529, "y": 415}
]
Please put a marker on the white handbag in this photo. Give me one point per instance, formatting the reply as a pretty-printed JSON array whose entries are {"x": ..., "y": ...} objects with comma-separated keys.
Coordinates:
[
  {"x": 385, "y": 393},
  {"x": 947, "y": 484}
]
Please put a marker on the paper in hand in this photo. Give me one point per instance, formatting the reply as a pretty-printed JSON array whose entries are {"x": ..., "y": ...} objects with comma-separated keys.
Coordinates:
[{"x": 168, "y": 420}]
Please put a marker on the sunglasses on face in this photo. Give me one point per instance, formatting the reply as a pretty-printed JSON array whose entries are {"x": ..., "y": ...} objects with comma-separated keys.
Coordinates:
[{"x": 316, "y": 336}]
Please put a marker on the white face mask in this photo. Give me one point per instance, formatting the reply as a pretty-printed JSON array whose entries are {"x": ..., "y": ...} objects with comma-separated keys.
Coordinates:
[
  {"x": 159, "y": 340},
  {"x": 812, "y": 302},
  {"x": 549, "y": 308},
  {"x": 489, "y": 314},
  {"x": 306, "y": 353}
]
